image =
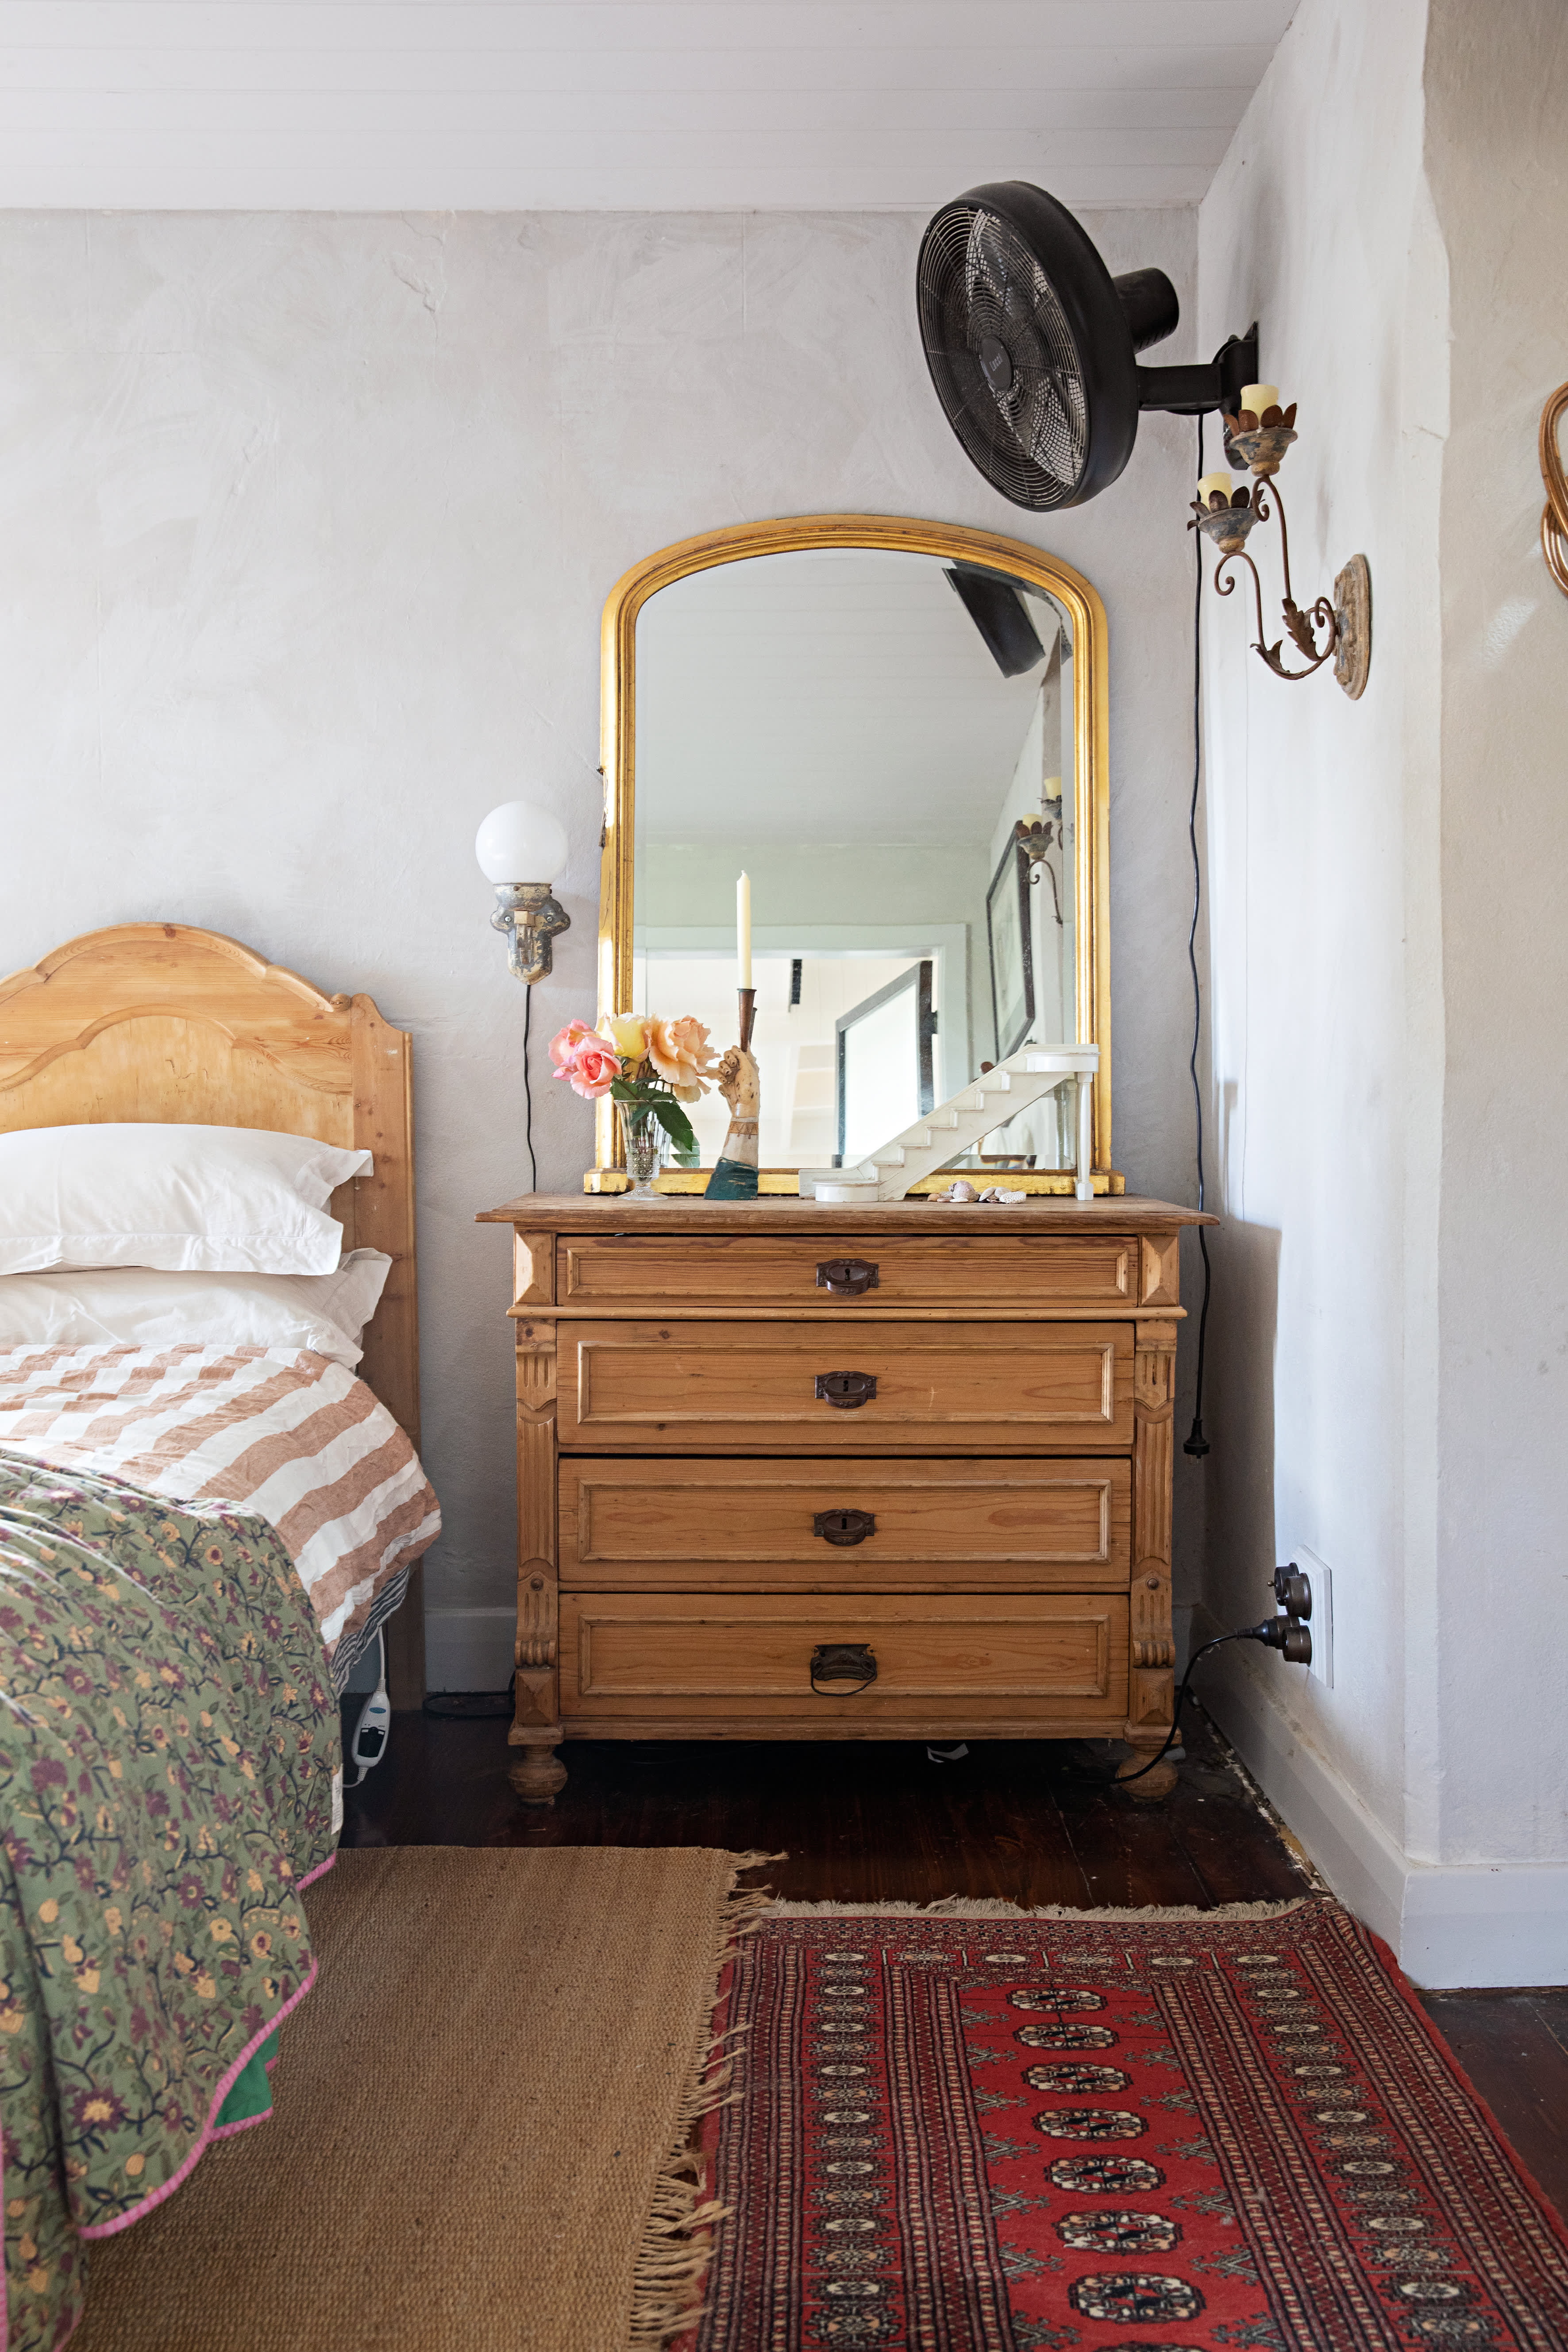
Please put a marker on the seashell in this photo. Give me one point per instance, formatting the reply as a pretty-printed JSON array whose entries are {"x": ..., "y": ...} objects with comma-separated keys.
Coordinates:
[{"x": 962, "y": 1191}]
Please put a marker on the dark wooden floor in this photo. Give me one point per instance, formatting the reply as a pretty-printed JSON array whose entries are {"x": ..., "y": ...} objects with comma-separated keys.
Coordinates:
[
  {"x": 861, "y": 1820},
  {"x": 1514, "y": 2048},
  {"x": 874, "y": 1821}
]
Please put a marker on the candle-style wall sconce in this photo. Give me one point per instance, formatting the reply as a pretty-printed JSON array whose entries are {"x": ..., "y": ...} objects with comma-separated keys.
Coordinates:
[
  {"x": 1554, "y": 513},
  {"x": 1257, "y": 438}
]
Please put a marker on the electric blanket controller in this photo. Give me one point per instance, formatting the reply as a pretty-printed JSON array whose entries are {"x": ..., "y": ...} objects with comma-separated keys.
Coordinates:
[
  {"x": 370, "y": 1732},
  {"x": 369, "y": 1743}
]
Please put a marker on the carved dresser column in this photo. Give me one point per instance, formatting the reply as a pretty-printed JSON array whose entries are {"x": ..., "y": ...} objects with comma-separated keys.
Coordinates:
[
  {"x": 1152, "y": 1659},
  {"x": 537, "y": 1772}
]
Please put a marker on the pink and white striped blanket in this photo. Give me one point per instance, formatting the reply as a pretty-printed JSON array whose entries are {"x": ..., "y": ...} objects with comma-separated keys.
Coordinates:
[{"x": 290, "y": 1436}]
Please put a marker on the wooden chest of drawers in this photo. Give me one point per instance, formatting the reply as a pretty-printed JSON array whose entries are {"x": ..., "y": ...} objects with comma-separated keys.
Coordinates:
[{"x": 790, "y": 1472}]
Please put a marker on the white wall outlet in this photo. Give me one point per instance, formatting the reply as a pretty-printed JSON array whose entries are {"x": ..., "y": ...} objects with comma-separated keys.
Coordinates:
[{"x": 1323, "y": 1619}]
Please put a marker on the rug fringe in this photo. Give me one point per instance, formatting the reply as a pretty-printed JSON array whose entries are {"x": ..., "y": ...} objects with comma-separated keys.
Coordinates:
[
  {"x": 678, "y": 2237},
  {"x": 994, "y": 1906}
]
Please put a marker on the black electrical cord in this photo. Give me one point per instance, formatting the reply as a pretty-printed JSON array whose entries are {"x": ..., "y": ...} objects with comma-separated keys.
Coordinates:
[
  {"x": 469, "y": 1706},
  {"x": 1243, "y": 1634},
  {"x": 1196, "y": 1443},
  {"x": 528, "y": 1095},
  {"x": 1285, "y": 1633}
]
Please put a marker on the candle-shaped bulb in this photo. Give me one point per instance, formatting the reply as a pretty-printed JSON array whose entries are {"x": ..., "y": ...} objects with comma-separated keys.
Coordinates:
[
  {"x": 743, "y": 930},
  {"x": 1210, "y": 484},
  {"x": 1258, "y": 397}
]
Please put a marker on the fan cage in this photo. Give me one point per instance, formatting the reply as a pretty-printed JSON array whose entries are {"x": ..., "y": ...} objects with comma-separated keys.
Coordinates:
[{"x": 978, "y": 278}]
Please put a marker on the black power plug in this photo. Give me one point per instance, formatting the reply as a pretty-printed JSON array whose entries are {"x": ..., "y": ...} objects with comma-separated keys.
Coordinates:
[
  {"x": 1293, "y": 1591},
  {"x": 1287, "y": 1634}
]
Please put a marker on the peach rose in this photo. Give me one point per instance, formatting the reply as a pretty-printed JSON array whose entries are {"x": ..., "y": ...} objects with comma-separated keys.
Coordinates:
[{"x": 681, "y": 1053}]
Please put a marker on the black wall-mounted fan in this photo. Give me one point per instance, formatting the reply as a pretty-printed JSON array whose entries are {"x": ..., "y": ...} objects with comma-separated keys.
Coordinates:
[{"x": 1033, "y": 346}]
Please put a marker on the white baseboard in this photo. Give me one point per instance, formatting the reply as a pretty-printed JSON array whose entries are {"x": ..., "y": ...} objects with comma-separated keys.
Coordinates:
[
  {"x": 469, "y": 1649},
  {"x": 1449, "y": 1924},
  {"x": 1485, "y": 1923}
]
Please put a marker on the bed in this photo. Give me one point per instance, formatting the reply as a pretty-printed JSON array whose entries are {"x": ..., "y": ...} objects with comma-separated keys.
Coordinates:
[{"x": 196, "y": 1540}]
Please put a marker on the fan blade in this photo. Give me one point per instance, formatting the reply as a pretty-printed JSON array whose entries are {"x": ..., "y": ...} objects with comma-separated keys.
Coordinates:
[{"x": 1010, "y": 298}]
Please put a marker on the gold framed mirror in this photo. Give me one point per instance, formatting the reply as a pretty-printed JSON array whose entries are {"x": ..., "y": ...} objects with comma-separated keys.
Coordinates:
[{"x": 867, "y": 714}]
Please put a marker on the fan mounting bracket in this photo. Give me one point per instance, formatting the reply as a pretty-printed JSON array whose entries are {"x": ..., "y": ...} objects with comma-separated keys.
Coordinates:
[{"x": 1194, "y": 391}]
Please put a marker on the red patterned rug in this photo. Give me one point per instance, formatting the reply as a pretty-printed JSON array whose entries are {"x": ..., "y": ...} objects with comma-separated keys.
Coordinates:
[{"x": 960, "y": 2133}]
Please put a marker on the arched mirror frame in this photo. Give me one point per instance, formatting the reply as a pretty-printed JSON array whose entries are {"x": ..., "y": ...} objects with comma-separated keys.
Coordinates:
[{"x": 906, "y": 534}]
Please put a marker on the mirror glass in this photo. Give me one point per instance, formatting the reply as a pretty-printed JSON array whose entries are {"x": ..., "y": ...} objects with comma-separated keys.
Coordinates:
[{"x": 878, "y": 739}]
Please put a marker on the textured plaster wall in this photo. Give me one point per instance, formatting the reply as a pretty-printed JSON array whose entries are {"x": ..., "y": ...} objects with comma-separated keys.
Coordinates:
[
  {"x": 1324, "y": 914},
  {"x": 1390, "y": 958},
  {"x": 1496, "y": 154},
  {"x": 305, "y": 527}
]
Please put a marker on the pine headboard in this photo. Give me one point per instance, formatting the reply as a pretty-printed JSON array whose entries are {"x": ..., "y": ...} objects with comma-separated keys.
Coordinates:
[{"x": 162, "y": 1022}]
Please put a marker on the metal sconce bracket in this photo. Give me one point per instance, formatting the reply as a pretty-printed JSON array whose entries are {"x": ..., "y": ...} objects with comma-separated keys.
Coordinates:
[
  {"x": 1343, "y": 624},
  {"x": 1035, "y": 838},
  {"x": 1554, "y": 513},
  {"x": 530, "y": 918}
]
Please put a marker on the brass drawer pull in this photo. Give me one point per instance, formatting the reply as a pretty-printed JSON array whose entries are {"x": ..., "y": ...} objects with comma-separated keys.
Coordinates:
[
  {"x": 847, "y": 1389},
  {"x": 843, "y": 1662},
  {"x": 844, "y": 1527},
  {"x": 847, "y": 1277}
]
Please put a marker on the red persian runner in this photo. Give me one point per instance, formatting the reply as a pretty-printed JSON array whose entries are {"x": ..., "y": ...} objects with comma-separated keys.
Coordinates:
[{"x": 1147, "y": 2134}]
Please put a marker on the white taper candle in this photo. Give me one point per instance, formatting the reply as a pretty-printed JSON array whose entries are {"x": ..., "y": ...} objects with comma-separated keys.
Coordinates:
[{"x": 743, "y": 930}]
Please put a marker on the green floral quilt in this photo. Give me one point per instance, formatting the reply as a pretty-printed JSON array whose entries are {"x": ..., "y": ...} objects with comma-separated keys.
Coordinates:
[{"x": 168, "y": 1744}]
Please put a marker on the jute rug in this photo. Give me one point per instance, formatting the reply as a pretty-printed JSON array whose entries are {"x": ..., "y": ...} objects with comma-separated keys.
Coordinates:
[
  {"x": 983, "y": 2130},
  {"x": 481, "y": 2111}
]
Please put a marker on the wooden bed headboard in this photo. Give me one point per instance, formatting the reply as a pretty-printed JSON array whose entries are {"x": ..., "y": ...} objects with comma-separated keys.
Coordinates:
[{"x": 162, "y": 1022}]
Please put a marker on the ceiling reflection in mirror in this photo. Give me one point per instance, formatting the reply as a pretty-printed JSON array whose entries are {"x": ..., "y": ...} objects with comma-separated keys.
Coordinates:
[{"x": 878, "y": 739}]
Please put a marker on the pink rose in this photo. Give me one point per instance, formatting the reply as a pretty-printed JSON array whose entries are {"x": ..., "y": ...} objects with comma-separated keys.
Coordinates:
[
  {"x": 584, "y": 1060},
  {"x": 565, "y": 1041},
  {"x": 681, "y": 1053}
]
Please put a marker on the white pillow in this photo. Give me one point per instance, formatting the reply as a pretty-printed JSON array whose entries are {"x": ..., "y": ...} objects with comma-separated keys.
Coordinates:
[
  {"x": 127, "y": 1306},
  {"x": 213, "y": 1200}
]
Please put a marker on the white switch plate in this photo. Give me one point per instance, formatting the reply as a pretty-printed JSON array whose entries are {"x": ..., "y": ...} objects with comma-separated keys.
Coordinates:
[{"x": 1322, "y": 1617}]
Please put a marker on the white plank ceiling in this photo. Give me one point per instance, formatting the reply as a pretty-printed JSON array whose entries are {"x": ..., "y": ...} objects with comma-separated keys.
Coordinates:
[{"x": 507, "y": 105}]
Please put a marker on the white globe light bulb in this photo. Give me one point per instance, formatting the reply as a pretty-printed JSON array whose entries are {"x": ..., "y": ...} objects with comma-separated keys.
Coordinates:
[{"x": 519, "y": 843}]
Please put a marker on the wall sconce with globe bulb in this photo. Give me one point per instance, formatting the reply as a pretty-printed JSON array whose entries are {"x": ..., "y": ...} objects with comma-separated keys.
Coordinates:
[
  {"x": 1257, "y": 438},
  {"x": 515, "y": 840}
]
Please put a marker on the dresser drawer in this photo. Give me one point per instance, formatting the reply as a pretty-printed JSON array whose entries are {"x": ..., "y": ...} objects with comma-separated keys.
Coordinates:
[
  {"x": 847, "y": 1272},
  {"x": 1030, "y": 1659},
  {"x": 715, "y": 1388},
  {"x": 634, "y": 1525}
]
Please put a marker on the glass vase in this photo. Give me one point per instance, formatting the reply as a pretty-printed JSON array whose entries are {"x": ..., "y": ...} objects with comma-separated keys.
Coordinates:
[{"x": 644, "y": 1148}]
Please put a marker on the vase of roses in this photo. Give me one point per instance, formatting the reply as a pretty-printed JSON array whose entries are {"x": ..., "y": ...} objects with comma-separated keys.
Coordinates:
[{"x": 651, "y": 1068}]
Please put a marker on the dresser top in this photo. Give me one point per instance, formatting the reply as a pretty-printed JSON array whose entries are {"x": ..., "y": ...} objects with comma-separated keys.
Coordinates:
[{"x": 783, "y": 1213}]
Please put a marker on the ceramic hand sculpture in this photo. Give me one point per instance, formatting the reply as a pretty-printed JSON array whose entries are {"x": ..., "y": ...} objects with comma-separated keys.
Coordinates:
[{"x": 735, "y": 1176}]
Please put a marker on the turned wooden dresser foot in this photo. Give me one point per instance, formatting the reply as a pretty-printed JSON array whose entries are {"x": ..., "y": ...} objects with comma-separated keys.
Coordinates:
[
  {"x": 537, "y": 1775},
  {"x": 1150, "y": 1786}
]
